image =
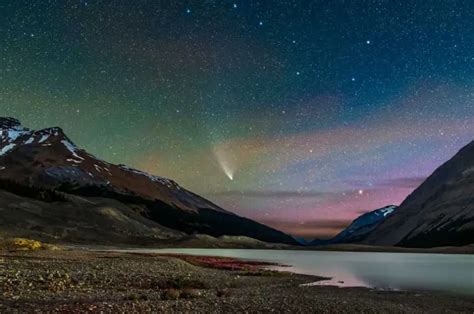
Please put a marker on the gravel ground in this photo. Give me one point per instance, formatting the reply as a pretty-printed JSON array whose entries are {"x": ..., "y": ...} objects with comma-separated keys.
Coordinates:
[{"x": 84, "y": 281}]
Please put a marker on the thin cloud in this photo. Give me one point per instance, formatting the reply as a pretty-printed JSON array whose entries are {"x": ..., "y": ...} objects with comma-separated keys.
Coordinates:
[
  {"x": 407, "y": 182},
  {"x": 310, "y": 229},
  {"x": 293, "y": 194},
  {"x": 328, "y": 223},
  {"x": 275, "y": 194}
]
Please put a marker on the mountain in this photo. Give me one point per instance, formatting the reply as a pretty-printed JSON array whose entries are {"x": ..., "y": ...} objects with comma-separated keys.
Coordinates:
[
  {"x": 47, "y": 159},
  {"x": 440, "y": 212},
  {"x": 302, "y": 241},
  {"x": 55, "y": 216},
  {"x": 360, "y": 227}
]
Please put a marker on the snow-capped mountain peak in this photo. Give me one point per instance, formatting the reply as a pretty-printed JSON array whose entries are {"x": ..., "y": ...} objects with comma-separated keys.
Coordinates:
[
  {"x": 361, "y": 226},
  {"x": 48, "y": 159}
]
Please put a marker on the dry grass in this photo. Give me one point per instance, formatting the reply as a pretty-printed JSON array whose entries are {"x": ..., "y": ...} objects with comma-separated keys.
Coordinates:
[{"x": 22, "y": 244}]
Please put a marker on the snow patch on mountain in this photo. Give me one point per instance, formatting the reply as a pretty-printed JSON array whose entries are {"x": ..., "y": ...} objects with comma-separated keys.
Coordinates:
[
  {"x": 72, "y": 149},
  {"x": 387, "y": 210},
  {"x": 30, "y": 140},
  {"x": 6, "y": 149},
  {"x": 43, "y": 138},
  {"x": 11, "y": 135}
]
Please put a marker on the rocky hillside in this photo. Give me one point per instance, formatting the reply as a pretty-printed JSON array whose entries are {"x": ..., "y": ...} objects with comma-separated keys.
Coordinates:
[
  {"x": 47, "y": 159},
  {"x": 60, "y": 217},
  {"x": 440, "y": 212}
]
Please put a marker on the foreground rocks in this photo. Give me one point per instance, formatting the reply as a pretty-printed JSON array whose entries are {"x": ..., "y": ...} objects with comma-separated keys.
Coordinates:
[{"x": 79, "y": 281}]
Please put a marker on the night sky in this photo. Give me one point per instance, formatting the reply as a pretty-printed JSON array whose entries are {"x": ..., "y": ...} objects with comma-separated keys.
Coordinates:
[{"x": 299, "y": 114}]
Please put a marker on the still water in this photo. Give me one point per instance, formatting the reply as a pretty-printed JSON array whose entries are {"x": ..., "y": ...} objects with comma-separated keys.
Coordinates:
[{"x": 394, "y": 271}]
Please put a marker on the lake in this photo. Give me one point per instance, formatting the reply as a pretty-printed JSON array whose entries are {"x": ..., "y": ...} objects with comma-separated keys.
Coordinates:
[{"x": 392, "y": 271}]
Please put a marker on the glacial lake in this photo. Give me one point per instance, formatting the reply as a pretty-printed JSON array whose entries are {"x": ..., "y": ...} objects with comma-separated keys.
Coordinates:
[{"x": 453, "y": 273}]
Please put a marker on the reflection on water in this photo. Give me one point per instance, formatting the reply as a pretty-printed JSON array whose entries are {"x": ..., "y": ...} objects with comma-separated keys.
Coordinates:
[{"x": 394, "y": 271}]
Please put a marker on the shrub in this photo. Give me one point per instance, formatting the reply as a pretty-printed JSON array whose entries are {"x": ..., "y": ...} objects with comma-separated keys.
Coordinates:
[
  {"x": 171, "y": 294},
  {"x": 189, "y": 293},
  {"x": 31, "y": 191},
  {"x": 57, "y": 281},
  {"x": 132, "y": 297},
  {"x": 136, "y": 297},
  {"x": 221, "y": 293},
  {"x": 25, "y": 245},
  {"x": 182, "y": 283},
  {"x": 264, "y": 273}
]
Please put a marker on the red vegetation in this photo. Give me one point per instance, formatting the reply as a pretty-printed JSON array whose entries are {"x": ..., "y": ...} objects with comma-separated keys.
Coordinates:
[{"x": 227, "y": 263}]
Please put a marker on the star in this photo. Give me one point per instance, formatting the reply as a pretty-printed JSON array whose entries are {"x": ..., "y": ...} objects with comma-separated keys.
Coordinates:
[{"x": 275, "y": 83}]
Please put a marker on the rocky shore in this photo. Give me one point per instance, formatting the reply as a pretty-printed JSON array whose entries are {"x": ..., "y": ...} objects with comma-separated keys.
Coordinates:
[{"x": 87, "y": 281}]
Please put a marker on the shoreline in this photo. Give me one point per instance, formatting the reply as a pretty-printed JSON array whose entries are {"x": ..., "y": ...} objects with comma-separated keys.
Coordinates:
[
  {"x": 82, "y": 280},
  {"x": 463, "y": 250}
]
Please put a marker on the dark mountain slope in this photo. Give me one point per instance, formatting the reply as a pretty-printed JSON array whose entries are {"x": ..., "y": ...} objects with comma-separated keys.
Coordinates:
[
  {"x": 77, "y": 219},
  {"x": 440, "y": 212}
]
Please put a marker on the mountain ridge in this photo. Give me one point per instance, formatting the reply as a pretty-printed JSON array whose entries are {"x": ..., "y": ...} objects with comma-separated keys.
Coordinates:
[
  {"x": 48, "y": 159},
  {"x": 440, "y": 212}
]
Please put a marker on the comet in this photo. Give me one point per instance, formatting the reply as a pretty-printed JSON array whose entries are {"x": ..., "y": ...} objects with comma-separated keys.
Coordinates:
[
  {"x": 227, "y": 171},
  {"x": 225, "y": 161}
]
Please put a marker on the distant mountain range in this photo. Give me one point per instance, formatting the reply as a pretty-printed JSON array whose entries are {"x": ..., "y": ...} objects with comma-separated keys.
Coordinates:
[
  {"x": 84, "y": 191},
  {"x": 50, "y": 188},
  {"x": 360, "y": 228}
]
